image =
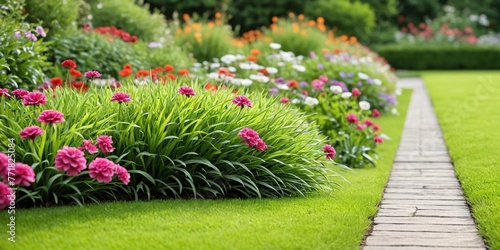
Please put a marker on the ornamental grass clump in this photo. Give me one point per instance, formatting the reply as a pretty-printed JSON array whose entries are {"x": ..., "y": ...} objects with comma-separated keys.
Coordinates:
[{"x": 161, "y": 143}]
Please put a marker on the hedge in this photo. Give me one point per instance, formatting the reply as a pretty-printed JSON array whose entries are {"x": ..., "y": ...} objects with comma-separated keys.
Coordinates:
[{"x": 422, "y": 57}]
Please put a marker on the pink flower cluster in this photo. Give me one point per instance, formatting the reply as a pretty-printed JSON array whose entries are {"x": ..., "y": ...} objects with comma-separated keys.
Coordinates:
[
  {"x": 21, "y": 174},
  {"x": 51, "y": 117},
  {"x": 187, "y": 91},
  {"x": 242, "y": 101},
  {"x": 352, "y": 118},
  {"x": 31, "y": 132},
  {"x": 252, "y": 139},
  {"x": 72, "y": 161},
  {"x": 92, "y": 74}
]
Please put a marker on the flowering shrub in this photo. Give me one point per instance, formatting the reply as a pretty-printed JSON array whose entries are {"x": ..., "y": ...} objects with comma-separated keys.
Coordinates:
[
  {"x": 175, "y": 146},
  {"x": 115, "y": 32}
]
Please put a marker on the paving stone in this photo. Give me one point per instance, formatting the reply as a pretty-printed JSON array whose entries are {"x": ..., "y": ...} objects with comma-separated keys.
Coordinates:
[{"x": 423, "y": 205}]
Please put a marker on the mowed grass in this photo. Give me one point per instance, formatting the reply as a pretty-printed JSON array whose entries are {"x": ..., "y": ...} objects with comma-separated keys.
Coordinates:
[
  {"x": 320, "y": 221},
  {"x": 468, "y": 108}
]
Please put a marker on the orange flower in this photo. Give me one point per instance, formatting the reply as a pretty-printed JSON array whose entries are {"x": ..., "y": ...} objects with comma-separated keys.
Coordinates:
[
  {"x": 185, "y": 17},
  {"x": 80, "y": 86},
  {"x": 293, "y": 84},
  {"x": 172, "y": 77},
  {"x": 301, "y": 17},
  {"x": 252, "y": 59},
  {"x": 127, "y": 66},
  {"x": 320, "y": 20},
  {"x": 336, "y": 51},
  {"x": 183, "y": 72},
  {"x": 255, "y": 52},
  {"x": 142, "y": 73},
  {"x": 169, "y": 68},
  {"x": 325, "y": 51},
  {"x": 211, "y": 87},
  {"x": 218, "y": 15},
  {"x": 75, "y": 73},
  {"x": 353, "y": 39},
  {"x": 125, "y": 72},
  {"x": 274, "y": 19}
]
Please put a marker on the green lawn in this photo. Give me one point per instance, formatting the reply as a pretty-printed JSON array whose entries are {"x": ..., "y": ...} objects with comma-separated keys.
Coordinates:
[
  {"x": 321, "y": 221},
  {"x": 468, "y": 108}
]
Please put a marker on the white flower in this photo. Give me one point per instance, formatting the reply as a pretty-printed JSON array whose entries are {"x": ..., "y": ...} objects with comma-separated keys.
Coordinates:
[
  {"x": 362, "y": 76},
  {"x": 99, "y": 6},
  {"x": 398, "y": 91},
  {"x": 197, "y": 65},
  {"x": 260, "y": 78},
  {"x": 240, "y": 57},
  {"x": 336, "y": 89},
  {"x": 255, "y": 66},
  {"x": 299, "y": 68},
  {"x": 394, "y": 111},
  {"x": 364, "y": 105},
  {"x": 271, "y": 70},
  {"x": 241, "y": 82},
  {"x": 213, "y": 75},
  {"x": 311, "y": 101},
  {"x": 346, "y": 95},
  {"x": 377, "y": 82},
  {"x": 245, "y": 66},
  {"x": 282, "y": 86},
  {"x": 281, "y": 64},
  {"x": 99, "y": 82},
  {"x": 231, "y": 69},
  {"x": 214, "y": 65},
  {"x": 295, "y": 101},
  {"x": 228, "y": 59},
  {"x": 275, "y": 45},
  {"x": 140, "y": 82}
]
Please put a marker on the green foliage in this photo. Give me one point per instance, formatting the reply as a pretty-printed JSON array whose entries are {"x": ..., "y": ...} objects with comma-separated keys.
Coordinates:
[
  {"x": 351, "y": 18},
  {"x": 173, "y": 146},
  {"x": 128, "y": 16},
  {"x": 384, "y": 9},
  {"x": 93, "y": 51},
  {"x": 152, "y": 57},
  {"x": 57, "y": 16},
  {"x": 168, "y": 7},
  {"x": 22, "y": 60},
  {"x": 419, "y": 57}
]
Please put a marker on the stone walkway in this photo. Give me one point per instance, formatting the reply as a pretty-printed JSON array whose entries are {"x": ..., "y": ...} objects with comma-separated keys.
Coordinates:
[{"x": 423, "y": 205}]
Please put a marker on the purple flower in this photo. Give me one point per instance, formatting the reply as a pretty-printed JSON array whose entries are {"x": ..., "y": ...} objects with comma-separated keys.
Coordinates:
[
  {"x": 342, "y": 74},
  {"x": 39, "y": 30},
  {"x": 280, "y": 80},
  {"x": 273, "y": 91},
  {"x": 390, "y": 99},
  {"x": 312, "y": 54},
  {"x": 155, "y": 45},
  {"x": 370, "y": 81},
  {"x": 320, "y": 66},
  {"x": 360, "y": 84},
  {"x": 30, "y": 35},
  {"x": 350, "y": 74},
  {"x": 92, "y": 74},
  {"x": 17, "y": 34},
  {"x": 303, "y": 84}
]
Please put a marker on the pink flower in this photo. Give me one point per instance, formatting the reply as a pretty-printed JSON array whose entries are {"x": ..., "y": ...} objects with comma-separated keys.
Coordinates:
[
  {"x": 92, "y": 74},
  {"x": 351, "y": 118},
  {"x": 260, "y": 145},
  {"x": 369, "y": 122},
  {"x": 375, "y": 113},
  {"x": 187, "y": 91},
  {"x": 378, "y": 139},
  {"x": 51, "y": 116},
  {"x": 34, "y": 98},
  {"x": 318, "y": 84},
  {"x": 20, "y": 93},
  {"x": 5, "y": 192},
  {"x": 247, "y": 133},
  {"x": 87, "y": 145},
  {"x": 4, "y": 165},
  {"x": 323, "y": 78},
  {"x": 31, "y": 132},
  {"x": 23, "y": 174},
  {"x": 284, "y": 100},
  {"x": 356, "y": 92},
  {"x": 105, "y": 143},
  {"x": 360, "y": 126},
  {"x": 4, "y": 92},
  {"x": 102, "y": 169},
  {"x": 329, "y": 151},
  {"x": 123, "y": 174},
  {"x": 376, "y": 127},
  {"x": 242, "y": 101},
  {"x": 71, "y": 160},
  {"x": 121, "y": 97}
]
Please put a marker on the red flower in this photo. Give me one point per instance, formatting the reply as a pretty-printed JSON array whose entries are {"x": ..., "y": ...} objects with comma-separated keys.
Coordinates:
[
  {"x": 51, "y": 117},
  {"x": 172, "y": 77},
  {"x": 351, "y": 118},
  {"x": 121, "y": 97},
  {"x": 368, "y": 122},
  {"x": 293, "y": 84},
  {"x": 242, "y": 101},
  {"x": 80, "y": 86},
  {"x": 284, "y": 100},
  {"x": 125, "y": 72},
  {"x": 356, "y": 92},
  {"x": 142, "y": 73},
  {"x": 169, "y": 68},
  {"x": 69, "y": 64},
  {"x": 34, "y": 98},
  {"x": 211, "y": 87},
  {"x": 378, "y": 139},
  {"x": 330, "y": 151},
  {"x": 4, "y": 92},
  {"x": 183, "y": 72},
  {"x": 75, "y": 73},
  {"x": 375, "y": 113},
  {"x": 376, "y": 127},
  {"x": 56, "y": 81},
  {"x": 127, "y": 66}
]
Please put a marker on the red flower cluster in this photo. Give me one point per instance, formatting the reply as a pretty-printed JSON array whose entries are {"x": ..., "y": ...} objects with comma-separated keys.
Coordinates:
[
  {"x": 252, "y": 139},
  {"x": 113, "y": 31}
]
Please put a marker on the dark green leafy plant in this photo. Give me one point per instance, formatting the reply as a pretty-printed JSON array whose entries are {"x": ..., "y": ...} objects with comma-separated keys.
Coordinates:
[{"x": 57, "y": 16}]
